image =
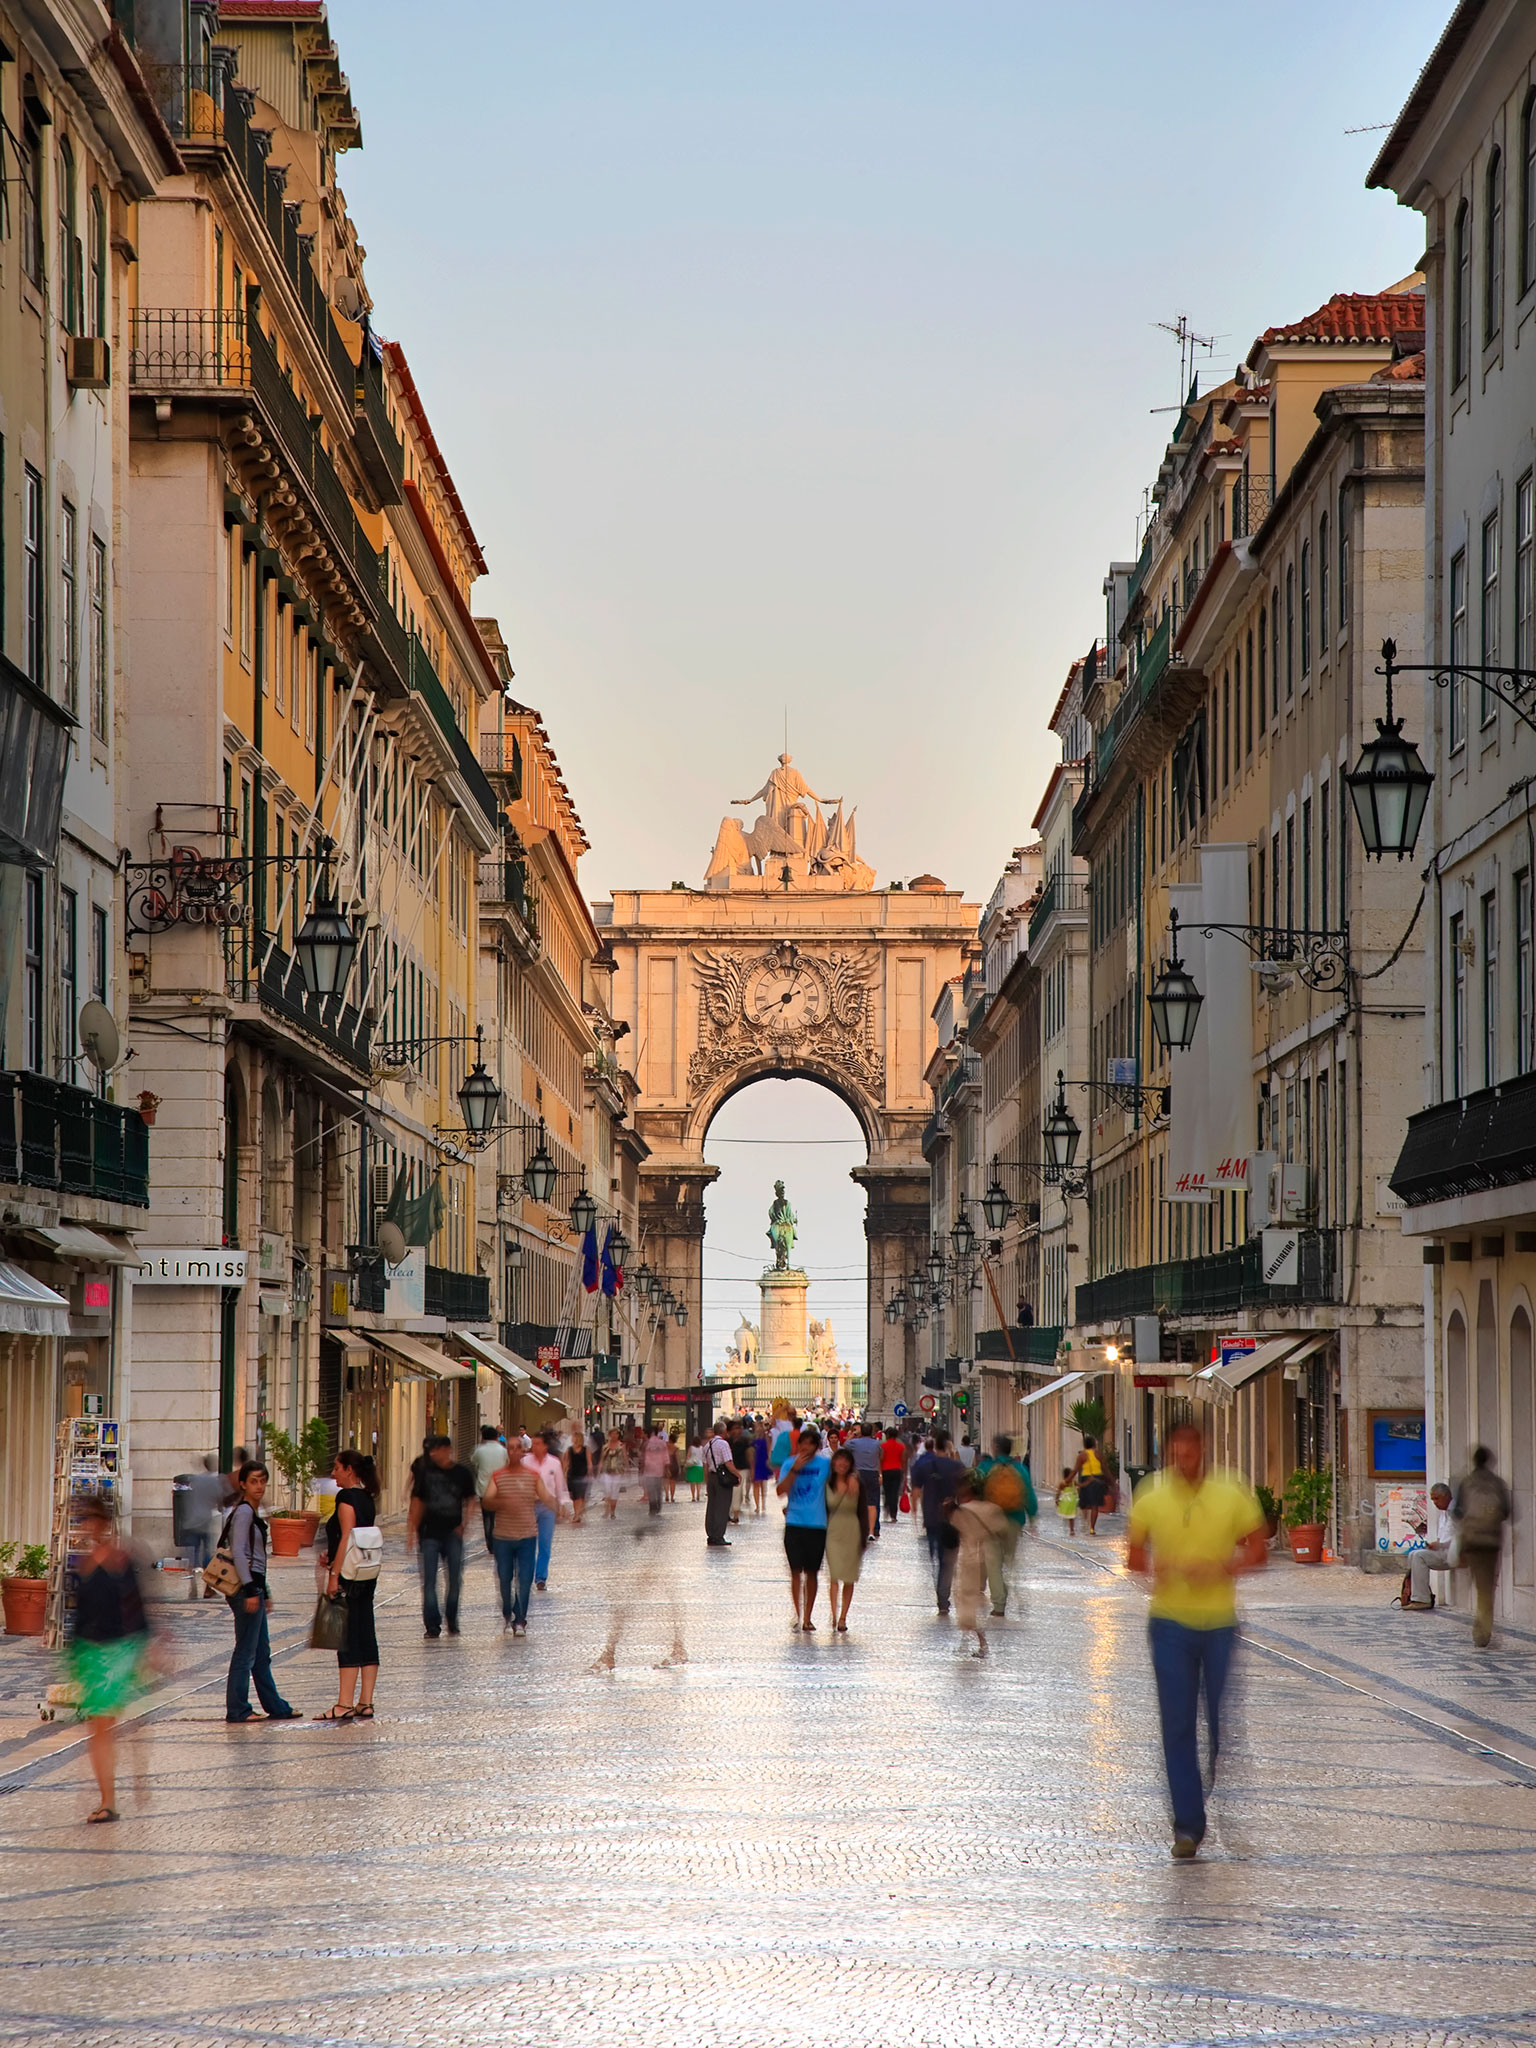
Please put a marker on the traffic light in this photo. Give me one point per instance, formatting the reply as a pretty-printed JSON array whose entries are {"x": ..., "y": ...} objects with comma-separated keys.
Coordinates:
[{"x": 962, "y": 1400}]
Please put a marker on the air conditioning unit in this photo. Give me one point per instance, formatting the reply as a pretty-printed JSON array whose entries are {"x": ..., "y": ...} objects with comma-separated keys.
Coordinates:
[
  {"x": 1288, "y": 1190},
  {"x": 90, "y": 363},
  {"x": 381, "y": 1183}
]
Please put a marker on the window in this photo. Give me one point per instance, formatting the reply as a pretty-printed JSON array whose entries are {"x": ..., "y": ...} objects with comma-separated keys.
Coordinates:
[
  {"x": 1458, "y": 966},
  {"x": 298, "y": 663},
  {"x": 32, "y": 974},
  {"x": 1324, "y": 850},
  {"x": 1525, "y": 563},
  {"x": 1528, "y": 195},
  {"x": 247, "y": 602},
  {"x": 69, "y": 980},
  {"x": 101, "y": 976},
  {"x": 1306, "y": 609},
  {"x": 1263, "y": 905},
  {"x": 34, "y": 600},
  {"x": 1306, "y": 864},
  {"x": 1322, "y": 586},
  {"x": 283, "y": 641},
  {"x": 1263, "y": 668},
  {"x": 100, "y": 706},
  {"x": 69, "y": 280},
  {"x": 1226, "y": 727},
  {"x": 69, "y": 609},
  {"x": 1488, "y": 704},
  {"x": 1344, "y": 831},
  {"x": 1274, "y": 880},
  {"x": 1493, "y": 248},
  {"x": 1343, "y": 526},
  {"x": 1490, "y": 943},
  {"x": 1524, "y": 1059},
  {"x": 1458, "y": 648},
  {"x": 1248, "y": 698},
  {"x": 31, "y": 181},
  {"x": 1290, "y": 873},
  {"x": 99, "y": 322},
  {"x": 311, "y": 696},
  {"x": 1461, "y": 294},
  {"x": 1290, "y": 633}
]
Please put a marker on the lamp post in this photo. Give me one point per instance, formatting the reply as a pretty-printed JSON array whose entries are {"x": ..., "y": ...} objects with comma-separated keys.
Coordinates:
[
  {"x": 996, "y": 1203},
  {"x": 1174, "y": 1000},
  {"x": 326, "y": 943},
  {"x": 541, "y": 1173},
  {"x": 583, "y": 1211},
  {"x": 1389, "y": 784},
  {"x": 963, "y": 1236},
  {"x": 479, "y": 1101}
]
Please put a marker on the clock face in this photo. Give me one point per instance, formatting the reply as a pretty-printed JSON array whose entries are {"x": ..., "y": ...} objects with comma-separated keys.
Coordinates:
[{"x": 784, "y": 1001}]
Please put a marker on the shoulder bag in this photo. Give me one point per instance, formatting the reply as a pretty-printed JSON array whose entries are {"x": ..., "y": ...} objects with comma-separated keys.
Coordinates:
[{"x": 221, "y": 1572}]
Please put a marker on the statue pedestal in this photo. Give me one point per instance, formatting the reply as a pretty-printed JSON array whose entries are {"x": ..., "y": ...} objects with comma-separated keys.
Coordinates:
[{"x": 784, "y": 1357}]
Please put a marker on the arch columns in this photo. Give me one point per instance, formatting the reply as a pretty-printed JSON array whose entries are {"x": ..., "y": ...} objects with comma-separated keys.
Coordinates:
[
  {"x": 896, "y": 1230},
  {"x": 672, "y": 1244}
]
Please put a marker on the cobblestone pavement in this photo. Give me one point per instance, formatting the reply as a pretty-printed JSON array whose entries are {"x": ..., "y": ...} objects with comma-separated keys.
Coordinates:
[{"x": 758, "y": 1839}]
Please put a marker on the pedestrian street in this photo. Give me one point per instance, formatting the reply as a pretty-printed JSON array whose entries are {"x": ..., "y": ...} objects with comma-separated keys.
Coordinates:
[{"x": 748, "y": 1835}]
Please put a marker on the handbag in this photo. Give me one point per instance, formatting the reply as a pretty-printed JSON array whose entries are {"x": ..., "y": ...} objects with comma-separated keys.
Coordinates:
[
  {"x": 328, "y": 1630},
  {"x": 221, "y": 1572},
  {"x": 905, "y": 1503}
]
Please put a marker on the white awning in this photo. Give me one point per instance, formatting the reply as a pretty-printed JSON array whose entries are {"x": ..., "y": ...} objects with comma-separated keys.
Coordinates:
[
  {"x": 418, "y": 1357},
  {"x": 1056, "y": 1386},
  {"x": 75, "y": 1241},
  {"x": 1247, "y": 1365},
  {"x": 494, "y": 1356},
  {"x": 27, "y": 1307}
]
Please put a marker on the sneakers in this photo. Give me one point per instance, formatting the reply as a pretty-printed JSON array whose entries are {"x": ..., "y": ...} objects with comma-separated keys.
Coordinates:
[
  {"x": 519, "y": 1628},
  {"x": 1185, "y": 1848}
]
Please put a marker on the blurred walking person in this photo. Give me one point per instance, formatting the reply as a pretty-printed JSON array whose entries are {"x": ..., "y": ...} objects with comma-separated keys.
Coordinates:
[
  {"x": 354, "y": 1568},
  {"x": 937, "y": 1473},
  {"x": 109, "y": 1650},
  {"x": 1007, "y": 1484},
  {"x": 847, "y": 1533},
  {"x": 516, "y": 1494},
  {"x": 440, "y": 1495},
  {"x": 893, "y": 1467},
  {"x": 611, "y": 1468},
  {"x": 674, "y": 1465},
  {"x": 488, "y": 1456},
  {"x": 803, "y": 1488},
  {"x": 543, "y": 1454},
  {"x": 693, "y": 1472},
  {"x": 1193, "y": 1533},
  {"x": 865, "y": 1452},
  {"x": 1088, "y": 1473},
  {"x": 978, "y": 1525},
  {"x": 205, "y": 1498},
  {"x": 719, "y": 1485},
  {"x": 246, "y": 1534},
  {"x": 741, "y": 1458},
  {"x": 1480, "y": 1509},
  {"x": 578, "y": 1477},
  {"x": 760, "y": 1469},
  {"x": 655, "y": 1459}
]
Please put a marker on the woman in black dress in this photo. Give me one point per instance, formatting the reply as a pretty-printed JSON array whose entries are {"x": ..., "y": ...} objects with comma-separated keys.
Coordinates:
[
  {"x": 357, "y": 1660},
  {"x": 578, "y": 1470}
]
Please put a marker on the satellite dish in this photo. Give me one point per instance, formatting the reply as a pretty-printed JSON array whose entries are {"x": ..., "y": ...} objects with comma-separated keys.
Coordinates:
[
  {"x": 392, "y": 1242},
  {"x": 98, "y": 1034}
]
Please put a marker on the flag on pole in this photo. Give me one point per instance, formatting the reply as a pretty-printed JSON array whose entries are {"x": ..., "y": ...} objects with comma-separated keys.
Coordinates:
[
  {"x": 613, "y": 1273},
  {"x": 589, "y": 1259}
]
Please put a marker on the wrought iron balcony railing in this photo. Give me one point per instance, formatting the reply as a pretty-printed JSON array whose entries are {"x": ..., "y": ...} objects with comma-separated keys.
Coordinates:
[
  {"x": 460, "y": 1297},
  {"x": 1214, "y": 1285},
  {"x": 1061, "y": 897},
  {"x": 261, "y": 972},
  {"x": 53, "y": 1135}
]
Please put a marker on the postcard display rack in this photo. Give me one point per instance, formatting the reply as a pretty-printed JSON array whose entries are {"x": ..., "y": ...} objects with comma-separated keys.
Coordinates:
[{"x": 85, "y": 1461}]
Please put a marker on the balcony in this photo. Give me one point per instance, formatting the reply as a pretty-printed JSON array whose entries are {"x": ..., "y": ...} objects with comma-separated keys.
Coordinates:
[
  {"x": 525, "y": 1339},
  {"x": 966, "y": 1073},
  {"x": 1251, "y": 501},
  {"x": 56, "y": 1136},
  {"x": 1038, "y": 1345},
  {"x": 1061, "y": 897},
  {"x": 402, "y": 655},
  {"x": 264, "y": 974},
  {"x": 1469, "y": 1145},
  {"x": 187, "y": 352},
  {"x": 1215, "y": 1285},
  {"x": 459, "y": 1297},
  {"x": 503, "y": 885},
  {"x": 206, "y": 110},
  {"x": 502, "y": 754},
  {"x": 379, "y": 452}
]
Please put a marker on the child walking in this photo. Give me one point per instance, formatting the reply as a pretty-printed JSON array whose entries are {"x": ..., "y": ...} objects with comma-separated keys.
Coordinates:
[{"x": 1066, "y": 1501}]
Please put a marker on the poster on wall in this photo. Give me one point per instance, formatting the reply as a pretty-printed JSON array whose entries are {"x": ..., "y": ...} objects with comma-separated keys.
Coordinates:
[
  {"x": 1397, "y": 1442},
  {"x": 1402, "y": 1509}
]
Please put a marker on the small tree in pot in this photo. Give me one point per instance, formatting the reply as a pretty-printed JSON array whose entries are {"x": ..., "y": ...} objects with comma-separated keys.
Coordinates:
[
  {"x": 24, "y": 1587},
  {"x": 1308, "y": 1503},
  {"x": 298, "y": 1460}
]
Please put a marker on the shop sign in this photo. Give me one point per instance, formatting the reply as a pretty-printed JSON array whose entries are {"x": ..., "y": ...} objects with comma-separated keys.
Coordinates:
[
  {"x": 405, "y": 1285},
  {"x": 1280, "y": 1258},
  {"x": 547, "y": 1358},
  {"x": 189, "y": 1266},
  {"x": 98, "y": 1294}
]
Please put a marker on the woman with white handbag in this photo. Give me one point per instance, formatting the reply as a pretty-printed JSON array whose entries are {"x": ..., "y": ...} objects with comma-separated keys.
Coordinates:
[{"x": 356, "y": 1552}]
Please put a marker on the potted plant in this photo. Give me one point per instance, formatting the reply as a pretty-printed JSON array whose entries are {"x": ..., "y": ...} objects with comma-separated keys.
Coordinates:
[
  {"x": 24, "y": 1590},
  {"x": 1111, "y": 1461},
  {"x": 1088, "y": 1419},
  {"x": 1269, "y": 1508},
  {"x": 1308, "y": 1503},
  {"x": 298, "y": 1460}
]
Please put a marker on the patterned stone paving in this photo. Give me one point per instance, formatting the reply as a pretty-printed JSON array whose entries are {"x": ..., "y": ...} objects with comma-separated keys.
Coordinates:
[{"x": 772, "y": 1840}]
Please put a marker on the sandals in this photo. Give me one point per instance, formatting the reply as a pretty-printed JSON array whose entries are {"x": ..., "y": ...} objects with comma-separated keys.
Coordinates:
[
  {"x": 337, "y": 1714},
  {"x": 362, "y": 1713},
  {"x": 102, "y": 1813}
]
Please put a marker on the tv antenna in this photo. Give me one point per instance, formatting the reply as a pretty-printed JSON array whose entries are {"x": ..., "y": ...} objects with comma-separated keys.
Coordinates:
[{"x": 1189, "y": 343}]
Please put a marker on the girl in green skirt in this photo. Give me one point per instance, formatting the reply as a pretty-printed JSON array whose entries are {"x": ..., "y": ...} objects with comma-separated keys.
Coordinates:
[{"x": 107, "y": 1652}]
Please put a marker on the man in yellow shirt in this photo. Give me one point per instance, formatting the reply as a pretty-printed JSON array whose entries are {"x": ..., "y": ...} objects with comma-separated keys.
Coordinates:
[{"x": 1193, "y": 1533}]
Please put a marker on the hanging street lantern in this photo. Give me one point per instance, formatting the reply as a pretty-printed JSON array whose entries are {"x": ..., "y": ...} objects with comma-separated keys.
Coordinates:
[
  {"x": 896, "y": 1307},
  {"x": 643, "y": 1282},
  {"x": 540, "y": 1174},
  {"x": 680, "y": 1314},
  {"x": 936, "y": 1265},
  {"x": 618, "y": 1246},
  {"x": 479, "y": 1101},
  {"x": 1174, "y": 1000},
  {"x": 996, "y": 1203},
  {"x": 583, "y": 1211},
  {"x": 326, "y": 944},
  {"x": 1389, "y": 784},
  {"x": 963, "y": 1236},
  {"x": 1060, "y": 1132}
]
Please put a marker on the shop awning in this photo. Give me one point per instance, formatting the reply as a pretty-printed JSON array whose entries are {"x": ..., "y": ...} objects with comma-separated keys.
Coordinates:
[
  {"x": 501, "y": 1360},
  {"x": 419, "y": 1358},
  {"x": 1056, "y": 1386},
  {"x": 1309, "y": 1348},
  {"x": 27, "y": 1307},
  {"x": 92, "y": 1247},
  {"x": 1247, "y": 1365}
]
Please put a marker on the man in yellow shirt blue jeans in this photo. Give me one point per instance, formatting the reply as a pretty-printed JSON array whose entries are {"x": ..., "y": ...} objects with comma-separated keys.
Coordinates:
[{"x": 1193, "y": 1533}]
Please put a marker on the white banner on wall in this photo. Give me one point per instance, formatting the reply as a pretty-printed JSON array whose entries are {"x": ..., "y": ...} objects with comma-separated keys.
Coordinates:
[{"x": 1188, "y": 1146}]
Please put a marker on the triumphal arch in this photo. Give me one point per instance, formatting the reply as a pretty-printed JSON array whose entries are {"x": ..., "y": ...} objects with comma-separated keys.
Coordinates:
[{"x": 787, "y": 960}]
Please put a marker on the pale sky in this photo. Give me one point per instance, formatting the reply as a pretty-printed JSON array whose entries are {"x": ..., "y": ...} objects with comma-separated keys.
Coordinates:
[{"x": 799, "y": 359}]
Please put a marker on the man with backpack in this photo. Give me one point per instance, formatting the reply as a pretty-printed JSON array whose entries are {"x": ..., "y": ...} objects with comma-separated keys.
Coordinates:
[
  {"x": 1481, "y": 1508},
  {"x": 1001, "y": 1479}
]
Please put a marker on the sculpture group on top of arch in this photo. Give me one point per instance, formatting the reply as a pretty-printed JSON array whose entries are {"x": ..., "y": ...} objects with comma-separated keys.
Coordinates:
[{"x": 792, "y": 843}]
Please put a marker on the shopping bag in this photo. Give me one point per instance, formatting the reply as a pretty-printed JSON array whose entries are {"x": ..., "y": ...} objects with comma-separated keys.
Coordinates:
[
  {"x": 328, "y": 1630},
  {"x": 905, "y": 1504}
]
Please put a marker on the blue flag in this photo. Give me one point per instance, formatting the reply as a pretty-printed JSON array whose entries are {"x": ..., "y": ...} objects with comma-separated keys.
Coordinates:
[
  {"x": 589, "y": 1259},
  {"x": 613, "y": 1277}
]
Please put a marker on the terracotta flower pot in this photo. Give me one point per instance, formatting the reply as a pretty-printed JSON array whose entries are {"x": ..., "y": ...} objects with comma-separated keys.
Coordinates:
[
  {"x": 1307, "y": 1542},
  {"x": 287, "y": 1533},
  {"x": 26, "y": 1602},
  {"x": 311, "y": 1523}
]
